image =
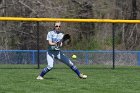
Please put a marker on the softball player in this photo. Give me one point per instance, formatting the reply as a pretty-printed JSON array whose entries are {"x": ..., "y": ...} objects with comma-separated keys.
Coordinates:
[{"x": 53, "y": 37}]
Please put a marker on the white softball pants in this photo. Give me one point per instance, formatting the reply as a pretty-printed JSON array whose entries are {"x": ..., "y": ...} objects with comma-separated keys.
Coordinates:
[{"x": 51, "y": 55}]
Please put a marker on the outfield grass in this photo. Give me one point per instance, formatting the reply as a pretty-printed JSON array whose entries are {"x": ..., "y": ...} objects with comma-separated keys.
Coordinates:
[{"x": 63, "y": 80}]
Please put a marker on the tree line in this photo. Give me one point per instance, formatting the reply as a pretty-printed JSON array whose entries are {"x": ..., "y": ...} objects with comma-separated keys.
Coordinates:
[{"x": 22, "y": 35}]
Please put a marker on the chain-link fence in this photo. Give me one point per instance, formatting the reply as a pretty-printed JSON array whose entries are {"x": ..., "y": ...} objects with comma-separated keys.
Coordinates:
[
  {"x": 95, "y": 44},
  {"x": 96, "y": 59}
]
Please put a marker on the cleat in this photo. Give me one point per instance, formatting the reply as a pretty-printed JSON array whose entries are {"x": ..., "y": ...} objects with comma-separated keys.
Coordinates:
[
  {"x": 82, "y": 76},
  {"x": 39, "y": 78}
]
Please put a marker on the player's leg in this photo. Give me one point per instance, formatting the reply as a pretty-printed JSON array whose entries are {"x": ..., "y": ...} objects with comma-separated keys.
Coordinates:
[
  {"x": 69, "y": 63},
  {"x": 50, "y": 60}
]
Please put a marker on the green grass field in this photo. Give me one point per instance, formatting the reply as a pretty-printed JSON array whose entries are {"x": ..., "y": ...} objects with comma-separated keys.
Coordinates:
[{"x": 64, "y": 80}]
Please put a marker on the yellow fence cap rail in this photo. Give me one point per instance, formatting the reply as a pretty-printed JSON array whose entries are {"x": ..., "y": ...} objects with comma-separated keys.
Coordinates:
[{"x": 67, "y": 20}]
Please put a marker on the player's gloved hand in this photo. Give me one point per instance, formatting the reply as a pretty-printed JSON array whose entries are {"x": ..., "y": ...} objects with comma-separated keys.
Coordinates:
[
  {"x": 67, "y": 42},
  {"x": 66, "y": 39},
  {"x": 59, "y": 44}
]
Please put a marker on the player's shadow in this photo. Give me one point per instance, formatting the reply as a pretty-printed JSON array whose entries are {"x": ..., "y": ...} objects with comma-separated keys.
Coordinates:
[
  {"x": 50, "y": 78},
  {"x": 53, "y": 79}
]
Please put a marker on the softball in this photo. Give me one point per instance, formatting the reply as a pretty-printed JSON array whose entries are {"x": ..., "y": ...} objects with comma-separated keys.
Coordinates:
[{"x": 74, "y": 56}]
